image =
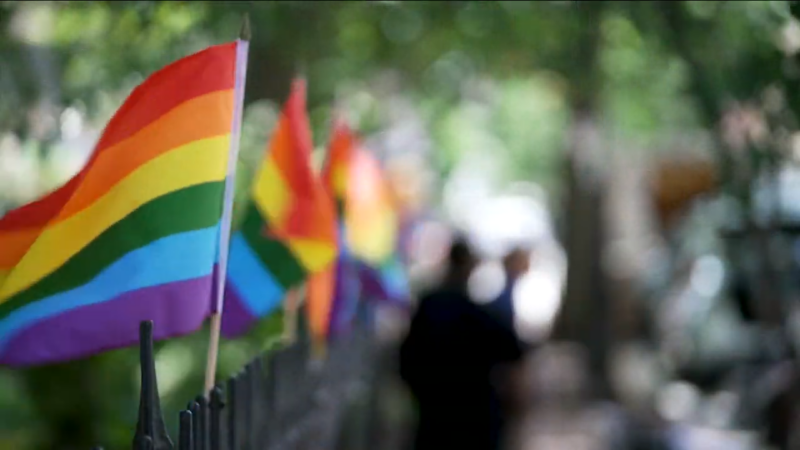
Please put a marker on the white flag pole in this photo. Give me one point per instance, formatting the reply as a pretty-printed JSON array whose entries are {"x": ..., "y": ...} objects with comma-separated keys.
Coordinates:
[{"x": 242, "y": 47}]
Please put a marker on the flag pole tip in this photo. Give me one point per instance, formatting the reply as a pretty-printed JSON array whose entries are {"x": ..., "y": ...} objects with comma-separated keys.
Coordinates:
[
  {"x": 245, "y": 32},
  {"x": 301, "y": 70}
]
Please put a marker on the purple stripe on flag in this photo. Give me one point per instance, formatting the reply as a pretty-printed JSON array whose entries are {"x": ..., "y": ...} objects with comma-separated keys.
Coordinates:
[
  {"x": 85, "y": 331},
  {"x": 346, "y": 297},
  {"x": 379, "y": 285},
  {"x": 236, "y": 319},
  {"x": 215, "y": 280}
]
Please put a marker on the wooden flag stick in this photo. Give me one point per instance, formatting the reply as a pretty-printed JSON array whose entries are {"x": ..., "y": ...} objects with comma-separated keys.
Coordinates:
[
  {"x": 319, "y": 348},
  {"x": 213, "y": 351},
  {"x": 291, "y": 306}
]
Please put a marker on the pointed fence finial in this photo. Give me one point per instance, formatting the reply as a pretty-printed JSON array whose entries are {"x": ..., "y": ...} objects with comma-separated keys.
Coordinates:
[
  {"x": 215, "y": 405},
  {"x": 245, "y": 33},
  {"x": 150, "y": 427}
]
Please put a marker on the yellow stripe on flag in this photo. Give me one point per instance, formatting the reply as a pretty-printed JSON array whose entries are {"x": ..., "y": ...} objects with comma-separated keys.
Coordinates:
[
  {"x": 271, "y": 193},
  {"x": 313, "y": 255}
]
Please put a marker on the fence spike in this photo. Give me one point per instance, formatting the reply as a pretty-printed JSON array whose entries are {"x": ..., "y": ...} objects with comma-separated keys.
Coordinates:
[
  {"x": 197, "y": 426},
  {"x": 251, "y": 399},
  {"x": 201, "y": 428},
  {"x": 234, "y": 406},
  {"x": 151, "y": 421},
  {"x": 185, "y": 434},
  {"x": 271, "y": 392},
  {"x": 215, "y": 407},
  {"x": 262, "y": 402},
  {"x": 269, "y": 403}
]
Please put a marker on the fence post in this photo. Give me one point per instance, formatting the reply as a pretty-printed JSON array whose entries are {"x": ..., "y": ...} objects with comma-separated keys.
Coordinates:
[
  {"x": 199, "y": 423},
  {"x": 252, "y": 399},
  {"x": 246, "y": 399},
  {"x": 233, "y": 413},
  {"x": 185, "y": 435},
  {"x": 146, "y": 443},
  {"x": 151, "y": 421},
  {"x": 215, "y": 406},
  {"x": 270, "y": 409}
]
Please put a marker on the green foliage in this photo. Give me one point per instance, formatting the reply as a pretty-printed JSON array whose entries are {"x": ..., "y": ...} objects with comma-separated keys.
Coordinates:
[{"x": 485, "y": 77}]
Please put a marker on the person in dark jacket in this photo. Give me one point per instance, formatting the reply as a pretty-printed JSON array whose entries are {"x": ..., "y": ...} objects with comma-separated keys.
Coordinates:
[{"x": 449, "y": 360}]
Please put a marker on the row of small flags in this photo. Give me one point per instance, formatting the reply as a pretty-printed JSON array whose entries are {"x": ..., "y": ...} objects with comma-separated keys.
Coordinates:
[{"x": 143, "y": 231}]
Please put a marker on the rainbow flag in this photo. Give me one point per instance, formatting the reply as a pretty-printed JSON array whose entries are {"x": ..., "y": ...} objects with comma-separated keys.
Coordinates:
[
  {"x": 373, "y": 232},
  {"x": 345, "y": 296},
  {"x": 369, "y": 263},
  {"x": 136, "y": 234},
  {"x": 347, "y": 286},
  {"x": 289, "y": 230}
]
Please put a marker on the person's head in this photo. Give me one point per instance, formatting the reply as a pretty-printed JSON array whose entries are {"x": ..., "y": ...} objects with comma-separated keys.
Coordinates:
[
  {"x": 517, "y": 262},
  {"x": 461, "y": 261}
]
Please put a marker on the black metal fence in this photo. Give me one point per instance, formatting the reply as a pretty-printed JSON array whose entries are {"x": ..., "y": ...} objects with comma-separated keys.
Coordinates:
[{"x": 284, "y": 399}]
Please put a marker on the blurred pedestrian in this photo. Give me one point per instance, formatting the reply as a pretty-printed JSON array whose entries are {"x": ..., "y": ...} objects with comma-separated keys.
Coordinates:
[
  {"x": 449, "y": 359},
  {"x": 516, "y": 263}
]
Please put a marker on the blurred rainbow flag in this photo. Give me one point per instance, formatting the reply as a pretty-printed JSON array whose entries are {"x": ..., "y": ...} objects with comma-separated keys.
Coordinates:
[
  {"x": 136, "y": 234},
  {"x": 289, "y": 230},
  {"x": 369, "y": 263}
]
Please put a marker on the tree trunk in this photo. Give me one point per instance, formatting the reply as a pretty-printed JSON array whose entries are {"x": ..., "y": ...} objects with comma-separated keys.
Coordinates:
[{"x": 584, "y": 314}]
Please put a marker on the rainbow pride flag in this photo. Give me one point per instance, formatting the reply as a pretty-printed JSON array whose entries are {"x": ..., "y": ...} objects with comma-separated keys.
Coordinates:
[
  {"x": 347, "y": 286},
  {"x": 373, "y": 232},
  {"x": 136, "y": 234},
  {"x": 369, "y": 262},
  {"x": 289, "y": 229}
]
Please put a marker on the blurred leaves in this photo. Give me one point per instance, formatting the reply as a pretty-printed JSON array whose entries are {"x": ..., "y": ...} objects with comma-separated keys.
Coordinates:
[{"x": 485, "y": 78}]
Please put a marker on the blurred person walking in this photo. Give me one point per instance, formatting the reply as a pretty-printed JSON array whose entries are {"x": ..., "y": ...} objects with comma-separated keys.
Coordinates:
[
  {"x": 516, "y": 263},
  {"x": 450, "y": 359}
]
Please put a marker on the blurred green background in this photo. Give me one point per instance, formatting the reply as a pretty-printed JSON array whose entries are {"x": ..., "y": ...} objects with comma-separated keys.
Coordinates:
[{"x": 450, "y": 83}]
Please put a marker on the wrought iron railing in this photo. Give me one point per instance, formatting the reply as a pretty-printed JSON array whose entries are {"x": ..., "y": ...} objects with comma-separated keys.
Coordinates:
[{"x": 283, "y": 399}]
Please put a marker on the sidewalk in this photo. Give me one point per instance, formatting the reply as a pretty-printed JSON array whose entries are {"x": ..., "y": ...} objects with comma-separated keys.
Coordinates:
[{"x": 558, "y": 414}]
